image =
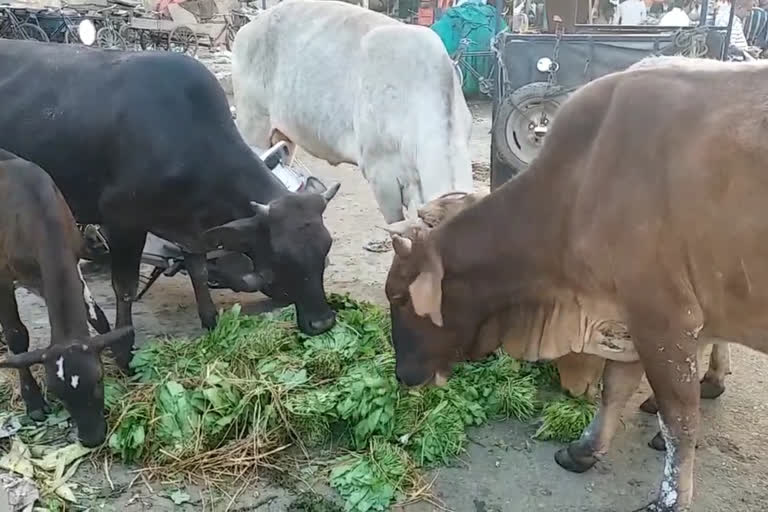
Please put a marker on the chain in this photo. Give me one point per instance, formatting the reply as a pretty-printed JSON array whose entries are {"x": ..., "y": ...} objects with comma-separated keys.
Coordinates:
[{"x": 555, "y": 66}]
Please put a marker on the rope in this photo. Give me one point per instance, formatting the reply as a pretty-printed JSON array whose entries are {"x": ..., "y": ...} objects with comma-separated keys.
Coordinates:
[{"x": 692, "y": 42}]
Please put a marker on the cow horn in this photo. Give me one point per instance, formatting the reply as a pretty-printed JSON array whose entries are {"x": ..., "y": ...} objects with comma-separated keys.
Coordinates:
[
  {"x": 260, "y": 209},
  {"x": 405, "y": 227},
  {"x": 329, "y": 193},
  {"x": 24, "y": 360},
  {"x": 98, "y": 343}
]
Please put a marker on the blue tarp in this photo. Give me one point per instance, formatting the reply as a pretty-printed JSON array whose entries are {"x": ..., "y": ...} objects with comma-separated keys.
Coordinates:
[{"x": 475, "y": 22}]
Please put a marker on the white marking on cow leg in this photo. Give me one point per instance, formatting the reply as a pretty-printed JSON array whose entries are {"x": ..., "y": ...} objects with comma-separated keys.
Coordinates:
[
  {"x": 440, "y": 380},
  {"x": 60, "y": 367},
  {"x": 668, "y": 495},
  {"x": 87, "y": 296},
  {"x": 75, "y": 381},
  {"x": 747, "y": 280}
]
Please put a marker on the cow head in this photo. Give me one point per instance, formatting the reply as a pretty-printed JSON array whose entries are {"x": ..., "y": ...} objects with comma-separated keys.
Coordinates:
[
  {"x": 425, "y": 350},
  {"x": 288, "y": 243},
  {"x": 75, "y": 375}
]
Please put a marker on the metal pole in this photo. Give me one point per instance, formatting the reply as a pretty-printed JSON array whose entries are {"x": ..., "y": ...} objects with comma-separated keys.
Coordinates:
[
  {"x": 703, "y": 13},
  {"x": 499, "y": 5},
  {"x": 727, "y": 43}
]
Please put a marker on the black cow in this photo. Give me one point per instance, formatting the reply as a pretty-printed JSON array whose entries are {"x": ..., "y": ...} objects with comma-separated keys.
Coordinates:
[
  {"x": 40, "y": 246},
  {"x": 144, "y": 142}
]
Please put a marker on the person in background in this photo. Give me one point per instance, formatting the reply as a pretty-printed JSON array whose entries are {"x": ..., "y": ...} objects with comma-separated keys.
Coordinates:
[
  {"x": 631, "y": 12},
  {"x": 676, "y": 16},
  {"x": 694, "y": 11},
  {"x": 737, "y": 32},
  {"x": 604, "y": 12}
]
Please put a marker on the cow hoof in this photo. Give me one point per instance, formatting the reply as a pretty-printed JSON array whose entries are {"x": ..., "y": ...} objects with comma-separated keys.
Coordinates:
[
  {"x": 209, "y": 321},
  {"x": 650, "y": 405},
  {"x": 657, "y": 443},
  {"x": 566, "y": 459},
  {"x": 123, "y": 362},
  {"x": 711, "y": 389},
  {"x": 39, "y": 414}
]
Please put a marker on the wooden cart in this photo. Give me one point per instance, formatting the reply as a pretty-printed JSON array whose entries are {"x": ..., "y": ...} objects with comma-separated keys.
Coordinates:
[{"x": 180, "y": 32}]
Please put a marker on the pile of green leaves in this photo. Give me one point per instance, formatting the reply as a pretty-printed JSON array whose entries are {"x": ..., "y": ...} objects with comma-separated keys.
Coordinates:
[{"x": 258, "y": 377}]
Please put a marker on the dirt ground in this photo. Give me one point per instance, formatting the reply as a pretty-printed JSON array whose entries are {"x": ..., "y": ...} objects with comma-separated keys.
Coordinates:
[{"x": 503, "y": 469}]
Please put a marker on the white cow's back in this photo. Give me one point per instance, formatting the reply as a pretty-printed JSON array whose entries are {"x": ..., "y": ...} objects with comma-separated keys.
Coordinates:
[{"x": 351, "y": 85}]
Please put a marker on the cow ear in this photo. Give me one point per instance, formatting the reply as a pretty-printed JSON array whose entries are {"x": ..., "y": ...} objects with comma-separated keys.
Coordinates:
[
  {"x": 330, "y": 193},
  {"x": 402, "y": 246},
  {"x": 24, "y": 360},
  {"x": 232, "y": 234},
  {"x": 427, "y": 290}
]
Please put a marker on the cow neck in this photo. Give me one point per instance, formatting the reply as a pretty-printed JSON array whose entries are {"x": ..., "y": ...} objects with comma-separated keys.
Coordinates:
[
  {"x": 62, "y": 288},
  {"x": 506, "y": 248},
  {"x": 258, "y": 184}
]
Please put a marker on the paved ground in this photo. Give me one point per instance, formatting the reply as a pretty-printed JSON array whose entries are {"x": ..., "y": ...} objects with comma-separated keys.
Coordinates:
[{"x": 503, "y": 469}]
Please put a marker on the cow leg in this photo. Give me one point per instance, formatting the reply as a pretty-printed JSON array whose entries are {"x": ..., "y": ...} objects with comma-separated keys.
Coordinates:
[
  {"x": 254, "y": 125},
  {"x": 620, "y": 380},
  {"x": 125, "y": 249},
  {"x": 17, "y": 337},
  {"x": 198, "y": 274},
  {"x": 388, "y": 194},
  {"x": 671, "y": 365},
  {"x": 713, "y": 383}
]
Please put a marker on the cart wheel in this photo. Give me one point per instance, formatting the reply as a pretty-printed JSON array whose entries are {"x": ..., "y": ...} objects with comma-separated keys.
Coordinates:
[
  {"x": 183, "y": 40},
  {"x": 522, "y": 122},
  {"x": 109, "y": 38},
  {"x": 131, "y": 37},
  {"x": 33, "y": 32},
  {"x": 145, "y": 40},
  {"x": 149, "y": 40}
]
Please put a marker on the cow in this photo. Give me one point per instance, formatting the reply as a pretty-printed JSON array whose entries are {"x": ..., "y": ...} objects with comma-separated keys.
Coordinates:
[
  {"x": 145, "y": 142},
  {"x": 40, "y": 248},
  {"x": 350, "y": 85},
  {"x": 627, "y": 238},
  {"x": 579, "y": 373}
]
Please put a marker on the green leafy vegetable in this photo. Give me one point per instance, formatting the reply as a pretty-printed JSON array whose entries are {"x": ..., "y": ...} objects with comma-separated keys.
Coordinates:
[
  {"x": 257, "y": 381},
  {"x": 565, "y": 419}
]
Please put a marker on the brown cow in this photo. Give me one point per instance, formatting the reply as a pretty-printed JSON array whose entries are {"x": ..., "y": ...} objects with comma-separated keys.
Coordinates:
[
  {"x": 625, "y": 224},
  {"x": 39, "y": 248},
  {"x": 579, "y": 372}
]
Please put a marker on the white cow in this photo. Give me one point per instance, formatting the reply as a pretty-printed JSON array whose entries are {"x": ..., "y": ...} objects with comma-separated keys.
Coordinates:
[{"x": 354, "y": 86}]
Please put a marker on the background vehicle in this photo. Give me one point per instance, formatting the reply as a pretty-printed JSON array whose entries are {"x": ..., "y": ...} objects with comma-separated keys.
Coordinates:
[{"x": 538, "y": 71}]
